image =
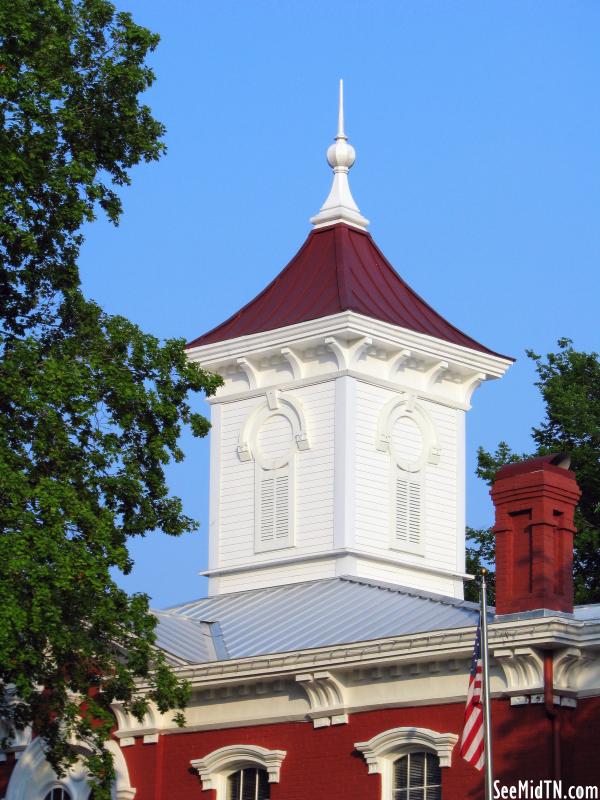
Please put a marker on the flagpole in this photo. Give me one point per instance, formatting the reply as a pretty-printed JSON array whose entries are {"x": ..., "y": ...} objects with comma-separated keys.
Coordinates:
[{"x": 487, "y": 714}]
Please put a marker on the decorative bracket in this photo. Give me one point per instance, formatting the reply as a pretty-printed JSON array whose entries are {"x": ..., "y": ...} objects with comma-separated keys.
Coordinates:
[
  {"x": 434, "y": 373},
  {"x": 129, "y": 727},
  {"x": 294, "y": 361},
  {"x": 566, "y": 666},
  {"x": 249, "y": 371},
  {"x": 326, "y": 697},
  {"x": 397, "y": 361},
  {"x": 346, "y": 356},
  {"x": 471, "y": 383},
  {"x": 523, "y": 669}
]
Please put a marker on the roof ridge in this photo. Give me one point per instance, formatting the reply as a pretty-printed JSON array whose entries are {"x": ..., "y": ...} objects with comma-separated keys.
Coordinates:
[{"x": 392, "y": 587}]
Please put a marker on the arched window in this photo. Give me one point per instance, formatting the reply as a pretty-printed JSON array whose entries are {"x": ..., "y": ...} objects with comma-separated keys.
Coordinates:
[
  {"x": 58, "y": 793},
  {"x": 407, "y": 433},
  {"x": 240, "y": 771},
  {"x": 409, "y": 761},
  {"x": 417, "y": 776},
  {"x": 271, "y": 436},
  {"x": 248, "y": 784}
]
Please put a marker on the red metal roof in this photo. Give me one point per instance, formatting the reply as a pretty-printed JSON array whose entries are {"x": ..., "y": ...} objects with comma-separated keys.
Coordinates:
[{"x": 338, "y": 268}]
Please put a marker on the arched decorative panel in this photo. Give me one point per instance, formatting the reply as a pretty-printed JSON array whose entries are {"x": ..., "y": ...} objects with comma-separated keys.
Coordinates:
[{"x": 272, "y": 436}]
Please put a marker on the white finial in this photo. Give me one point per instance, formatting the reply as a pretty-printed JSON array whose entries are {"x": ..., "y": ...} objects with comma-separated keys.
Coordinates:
[
  {"x": 341, "y": 134},
  {"x": 340, "y": 205}
]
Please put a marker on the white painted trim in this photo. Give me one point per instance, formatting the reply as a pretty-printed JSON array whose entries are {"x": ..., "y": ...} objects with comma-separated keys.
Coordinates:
[
  {"x": 215, "y": 488},
  {"x": 33, "y": 776},
  {"x": 386, "y": 747},
  {"x": 326, "y": 697},
  {"x": 286, "y": 406},
  {"x": 544, "y": 633},
  {"x": 338, "y": 553},
  {"x": 349, "y": 322},
  {"x": 400, "y": 407},
  {"x": 214, "y": 768},
  {"x": 315, "y": 380},
  {"x": 344, "y": 462},
  {"x": 461, "y": 477}
]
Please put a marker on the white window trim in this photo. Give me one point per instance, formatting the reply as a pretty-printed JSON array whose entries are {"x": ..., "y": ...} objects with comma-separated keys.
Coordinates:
[
  {"x": 216, "y": 767},
  {"x": 398, "y": 408},
  {"x": 34, "y": 777},
  {"x": 413, "y": 471},
  {"x": 386, "y": 747},
  {"x": 248, "y": 450}
]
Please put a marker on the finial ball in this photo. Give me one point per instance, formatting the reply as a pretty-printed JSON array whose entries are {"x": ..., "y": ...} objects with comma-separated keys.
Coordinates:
[{"x": 341, "y": 154}]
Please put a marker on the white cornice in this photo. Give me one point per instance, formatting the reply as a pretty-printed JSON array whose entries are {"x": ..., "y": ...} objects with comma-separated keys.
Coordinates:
[
  {"x": 351, "y": 324},
  {"x": 337, "y": 553},
  {"x": 394, "y": 386},
  {"x": 544, "y": 632}
]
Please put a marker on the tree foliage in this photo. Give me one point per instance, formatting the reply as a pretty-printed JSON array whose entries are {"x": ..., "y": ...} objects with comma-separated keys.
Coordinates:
[
  {"x": 72, "y": 126},
  {"x": 569, "y": 382},
  {"x": 91, "y": 407}
]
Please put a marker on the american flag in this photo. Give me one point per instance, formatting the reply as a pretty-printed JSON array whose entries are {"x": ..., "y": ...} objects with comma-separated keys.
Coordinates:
[{"x": 471, "y": 745}]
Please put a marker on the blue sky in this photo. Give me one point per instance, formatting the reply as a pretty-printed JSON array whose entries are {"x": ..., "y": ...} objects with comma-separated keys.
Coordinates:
[{"x": 477, "y": 131}]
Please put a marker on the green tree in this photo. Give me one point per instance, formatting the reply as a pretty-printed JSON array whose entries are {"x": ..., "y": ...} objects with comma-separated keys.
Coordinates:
[
  {"x": 91, "y": 407},
  {"x": 569, "y": 382}
]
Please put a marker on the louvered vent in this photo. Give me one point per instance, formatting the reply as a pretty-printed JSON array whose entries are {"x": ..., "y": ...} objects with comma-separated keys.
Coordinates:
[
  {"x": 408, "y": 514},
  {"x": 274, "y": 509}
]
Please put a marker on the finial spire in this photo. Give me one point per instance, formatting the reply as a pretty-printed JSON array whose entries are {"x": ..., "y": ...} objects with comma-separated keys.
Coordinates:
[
  {"x": 340, "y": 205},
  {"x": 340, "y": 133}
]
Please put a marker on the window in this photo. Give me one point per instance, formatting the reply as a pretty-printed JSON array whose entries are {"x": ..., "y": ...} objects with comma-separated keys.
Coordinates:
[
  {"x": 409, "y": 761},
  {"x": 240, "y": 771},
  {"x": 248, "y": 784},
  {"x": 407, "y": 513},
  {"x": 417, "y": 776},
  {"x": 406, "y": 433},
  {"x": 274, "y": 510},
  {"x": 58, "y": 794}
]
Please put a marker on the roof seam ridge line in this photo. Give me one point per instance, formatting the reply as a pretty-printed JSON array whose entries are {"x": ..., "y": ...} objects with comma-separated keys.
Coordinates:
[
  {"x": 412, "y": 592},
  {"x": 336, "y": 259}
]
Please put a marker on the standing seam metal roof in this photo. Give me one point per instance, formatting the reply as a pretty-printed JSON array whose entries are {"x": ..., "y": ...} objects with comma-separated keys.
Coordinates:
[
  {"x": 338, "y": 268},
  {"x": 304, "y": 615}
]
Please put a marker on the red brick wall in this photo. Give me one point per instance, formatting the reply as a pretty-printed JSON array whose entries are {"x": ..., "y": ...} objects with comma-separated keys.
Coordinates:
[{"x": 322, "y": 763}]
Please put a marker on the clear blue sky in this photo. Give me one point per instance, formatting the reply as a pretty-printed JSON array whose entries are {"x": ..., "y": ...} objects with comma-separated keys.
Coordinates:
[{"x": 477, "y": 131}]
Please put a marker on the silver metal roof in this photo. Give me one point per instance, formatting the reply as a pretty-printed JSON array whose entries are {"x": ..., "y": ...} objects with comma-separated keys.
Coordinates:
[
  {"x": 187, "y": 639},
  {"x": 304, "y": 615}
]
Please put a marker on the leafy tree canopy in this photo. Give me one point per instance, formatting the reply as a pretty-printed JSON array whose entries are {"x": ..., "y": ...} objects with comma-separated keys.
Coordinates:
[
  {"x": 569, "y": 382},
  {"x": 91, "y": 407}
]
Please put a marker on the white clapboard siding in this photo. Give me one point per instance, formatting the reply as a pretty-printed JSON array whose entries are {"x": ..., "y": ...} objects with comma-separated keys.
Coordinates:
[
  {"x": 377, "y": 521},
  {"x": 312, "y": 491},
  {"x": 404, "y": 576},
  {"x": 407, "y": 440},
  {"x": 275, "y": 438},
  {"x": 275, "y": 576}
]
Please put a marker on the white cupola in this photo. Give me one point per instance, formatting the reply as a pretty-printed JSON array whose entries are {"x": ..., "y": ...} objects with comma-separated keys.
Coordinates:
[{"x": 338, "y": 438}]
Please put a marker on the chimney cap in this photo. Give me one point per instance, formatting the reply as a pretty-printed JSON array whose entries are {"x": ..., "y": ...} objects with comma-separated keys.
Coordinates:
[{"x": 553, "y": 461}]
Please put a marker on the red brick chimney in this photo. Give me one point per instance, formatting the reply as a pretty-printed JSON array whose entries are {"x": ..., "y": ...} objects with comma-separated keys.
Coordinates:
[{"x": 535, "y": 501}]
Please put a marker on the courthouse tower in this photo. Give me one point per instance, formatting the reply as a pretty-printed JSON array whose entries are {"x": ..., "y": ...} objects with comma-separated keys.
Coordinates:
[{"x": 338, "y": 439}]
